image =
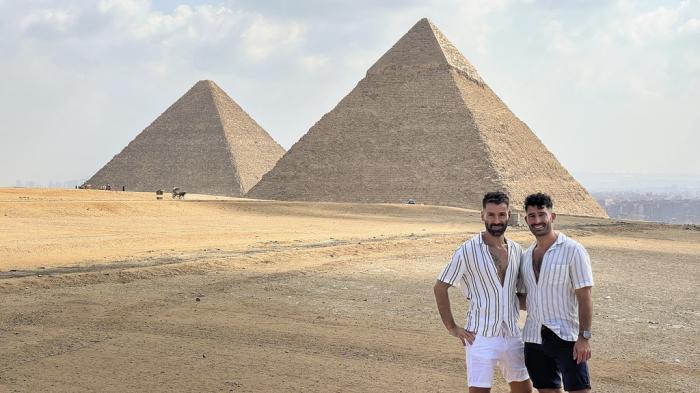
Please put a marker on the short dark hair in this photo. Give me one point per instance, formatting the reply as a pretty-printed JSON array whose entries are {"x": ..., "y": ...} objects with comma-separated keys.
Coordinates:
[
  {"x": 496, "y": 197},
  {"x": 539, "y": 201}
]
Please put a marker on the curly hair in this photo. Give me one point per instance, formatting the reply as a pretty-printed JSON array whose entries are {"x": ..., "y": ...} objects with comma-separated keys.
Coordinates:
[{"x": 539, "y": 201}]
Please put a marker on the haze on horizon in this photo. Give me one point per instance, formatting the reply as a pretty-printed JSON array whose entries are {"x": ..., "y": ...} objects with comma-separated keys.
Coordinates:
[{"x": 609, "y": 87}]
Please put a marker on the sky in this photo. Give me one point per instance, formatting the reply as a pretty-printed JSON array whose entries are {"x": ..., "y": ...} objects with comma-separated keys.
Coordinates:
[{"x": 608, "y": 86}]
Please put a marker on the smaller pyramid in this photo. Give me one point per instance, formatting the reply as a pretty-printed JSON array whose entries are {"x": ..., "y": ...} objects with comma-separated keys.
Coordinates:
[{"x": 204, "y": 143}]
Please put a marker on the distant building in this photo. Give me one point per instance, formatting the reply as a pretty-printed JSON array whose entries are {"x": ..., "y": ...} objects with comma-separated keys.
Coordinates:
[{"x": 651, "y": 207}]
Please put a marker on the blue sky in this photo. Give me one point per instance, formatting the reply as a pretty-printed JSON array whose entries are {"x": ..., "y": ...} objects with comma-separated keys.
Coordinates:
[{"x": 608, "y": 86}]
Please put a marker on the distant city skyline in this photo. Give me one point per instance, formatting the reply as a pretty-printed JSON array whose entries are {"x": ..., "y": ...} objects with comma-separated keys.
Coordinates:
[{"x": 608, "y": 86}]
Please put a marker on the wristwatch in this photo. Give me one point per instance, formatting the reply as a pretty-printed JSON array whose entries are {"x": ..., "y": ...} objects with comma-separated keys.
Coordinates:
[{"x": 585, "y": 334}]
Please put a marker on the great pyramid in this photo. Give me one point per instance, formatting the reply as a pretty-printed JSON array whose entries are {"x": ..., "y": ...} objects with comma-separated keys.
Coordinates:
[
  {"x": 422, "y": 125},
  {"x": 204, "y": 143}
]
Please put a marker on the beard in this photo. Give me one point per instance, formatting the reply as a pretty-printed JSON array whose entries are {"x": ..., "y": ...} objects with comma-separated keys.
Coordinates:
[
  {"x": 496, "y": 230},
  {"x": 541, "y": 231}
]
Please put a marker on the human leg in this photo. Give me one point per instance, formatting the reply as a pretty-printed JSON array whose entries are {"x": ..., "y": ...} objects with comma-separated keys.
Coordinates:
[
  {"x": 481, "y": 358},
  {"x": 542, "y": 369},
  {"x": 512, "y": 364},
  {"x": 575, "y": 376},
  {"x": 521, "y": 386}
]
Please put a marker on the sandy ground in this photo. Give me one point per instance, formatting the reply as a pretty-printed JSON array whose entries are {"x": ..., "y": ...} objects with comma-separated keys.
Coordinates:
[{"x": 117, "y": 292}]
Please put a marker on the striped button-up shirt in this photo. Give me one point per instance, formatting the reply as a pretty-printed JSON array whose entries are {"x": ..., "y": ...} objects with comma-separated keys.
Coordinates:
[
  {"x": 551, "y": 301},
  {"x": 493, "y": 308}
]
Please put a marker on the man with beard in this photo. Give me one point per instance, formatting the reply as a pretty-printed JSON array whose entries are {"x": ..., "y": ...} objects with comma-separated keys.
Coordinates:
[
  {"x": 557, "y": 279},
  {"x": 487, "y": 266}
]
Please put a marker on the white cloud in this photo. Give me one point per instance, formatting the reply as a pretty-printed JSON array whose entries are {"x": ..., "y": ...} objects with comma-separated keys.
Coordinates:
[
  {"x": 690, "y": 26},
  {"x": 54, "y": 20},
  {"x": 640, "y": 27},
  {"x": 475, "y": 19},
  {"x": 98, "y": 72},
  {"x": 313, "y": 62},
  {"x": 261, "y": 38},
  {"x": 129, "y": 8},
  {"x": 560, "y": 41},
  {"x": 156, "y": 23},
  {"x": 204, "y": 24},
  {"x": 124, "y": 31}
]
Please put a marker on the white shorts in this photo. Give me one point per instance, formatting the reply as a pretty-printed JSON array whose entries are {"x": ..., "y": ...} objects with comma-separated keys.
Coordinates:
[{"x": 487, "y": 353}]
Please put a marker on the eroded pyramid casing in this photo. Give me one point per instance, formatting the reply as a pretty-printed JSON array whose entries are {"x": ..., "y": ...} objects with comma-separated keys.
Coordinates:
[
  {"x": 204, "y": 143},
  {"x": 422, "y": 125}
]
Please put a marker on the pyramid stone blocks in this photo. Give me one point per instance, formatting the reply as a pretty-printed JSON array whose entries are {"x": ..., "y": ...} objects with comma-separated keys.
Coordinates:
[
  {"x": 204, "y": 143},
  {"x": 422, "y": 124}
]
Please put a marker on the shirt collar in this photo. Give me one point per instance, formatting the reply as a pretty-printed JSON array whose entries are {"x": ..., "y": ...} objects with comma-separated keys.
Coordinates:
[{"x": 561, "y": 238}]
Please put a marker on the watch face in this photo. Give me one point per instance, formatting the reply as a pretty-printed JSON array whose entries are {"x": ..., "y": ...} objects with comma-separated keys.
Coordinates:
[{"x": 586, "y": 334}]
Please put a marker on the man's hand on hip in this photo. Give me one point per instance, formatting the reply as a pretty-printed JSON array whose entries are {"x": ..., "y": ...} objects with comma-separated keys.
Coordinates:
[{"x": 463, "y": 335}]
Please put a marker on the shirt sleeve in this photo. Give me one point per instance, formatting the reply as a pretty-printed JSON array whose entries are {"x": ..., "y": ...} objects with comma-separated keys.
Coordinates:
[
  {"x": 580, "y": 269},
  {"x": 454, "y": 270}
]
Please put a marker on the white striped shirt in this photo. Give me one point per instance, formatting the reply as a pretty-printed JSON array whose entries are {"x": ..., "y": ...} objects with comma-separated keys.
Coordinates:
[
  {"x": 492, "y": 306},
  {"x": 551, "y": 301}
]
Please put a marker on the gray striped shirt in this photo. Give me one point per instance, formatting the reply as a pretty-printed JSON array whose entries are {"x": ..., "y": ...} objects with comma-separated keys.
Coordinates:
[
  {"x": 492, "y": 306},
  {"x": 552, "y": 301}
]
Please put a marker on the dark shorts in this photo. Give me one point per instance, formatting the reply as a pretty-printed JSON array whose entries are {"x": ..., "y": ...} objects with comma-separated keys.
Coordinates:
[{"x": 550, "y": 362}]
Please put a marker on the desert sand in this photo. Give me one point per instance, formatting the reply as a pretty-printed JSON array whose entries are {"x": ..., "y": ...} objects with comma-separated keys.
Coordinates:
[{"x": 118, "y": 292}]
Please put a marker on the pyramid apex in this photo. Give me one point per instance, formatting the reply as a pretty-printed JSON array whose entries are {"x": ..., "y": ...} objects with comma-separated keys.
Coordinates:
[
  {"x": 425, "y": 46},
  {"x": 205, "y": 86},
  {"x": 210, "y": 144},
  {"x": 205, "y": 82},
  {"x": 421, "y": 127}
]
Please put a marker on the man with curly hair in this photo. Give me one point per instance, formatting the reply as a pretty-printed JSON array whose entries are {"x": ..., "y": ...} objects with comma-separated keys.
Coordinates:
[{"x": 557, "y": 280}]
